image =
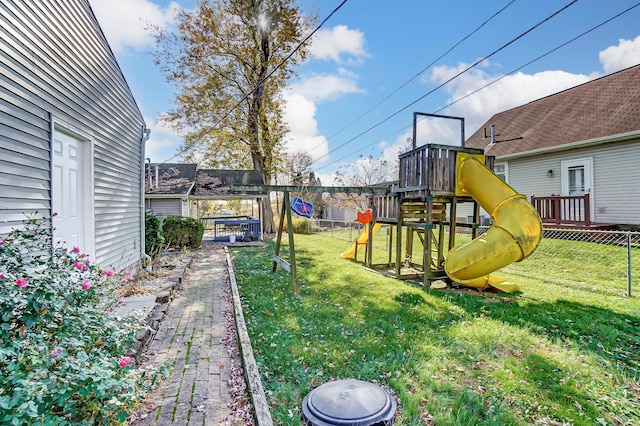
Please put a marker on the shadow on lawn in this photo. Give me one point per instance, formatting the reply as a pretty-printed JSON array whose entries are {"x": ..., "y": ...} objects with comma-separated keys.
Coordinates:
[
  {"x": 612, "y": 336},
  {"x": 355, "y": 328}
]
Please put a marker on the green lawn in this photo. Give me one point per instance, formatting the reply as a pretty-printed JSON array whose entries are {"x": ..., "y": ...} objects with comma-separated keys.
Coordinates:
[{"x": 561, "y": 351}]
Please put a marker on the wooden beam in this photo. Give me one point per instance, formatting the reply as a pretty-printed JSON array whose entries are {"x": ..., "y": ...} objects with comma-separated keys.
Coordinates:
[
  {"x": 321, "y": 189},
  {"x": 280, "y": 261}
]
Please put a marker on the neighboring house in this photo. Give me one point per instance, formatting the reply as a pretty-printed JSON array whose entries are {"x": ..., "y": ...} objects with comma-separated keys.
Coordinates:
[
  {"x": 71, "y": 134},
  {"x": 218, "y": 185},
  {"x": 343, "y": 207},
  {"x": 167, "y": 189},
  {"x": 583, "y": 140},
  {"x": 174, "y": 189}
]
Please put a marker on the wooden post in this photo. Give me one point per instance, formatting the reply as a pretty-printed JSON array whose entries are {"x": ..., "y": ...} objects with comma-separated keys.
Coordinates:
[
  {"x": 557, "y": 212},
  {"x": 279, "y": 238},
  {"x": 277, "y": 260},
  {"x": 441, "y": 224},
  {"x": 428, "y": 242},
  {"x": 476, "y": 220},
  {"x": 399, "y": 237},
  {"x": 292, "y": 249},
  {"x": 587, "y": 210},
  {"x": 453, "y": 221},
  {"x": 390, "y": 245},
  {"x": 369, "y": 246}
]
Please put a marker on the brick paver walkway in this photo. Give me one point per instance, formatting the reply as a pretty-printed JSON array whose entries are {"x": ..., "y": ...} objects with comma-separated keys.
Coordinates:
[{"x": 189, "y": 342}]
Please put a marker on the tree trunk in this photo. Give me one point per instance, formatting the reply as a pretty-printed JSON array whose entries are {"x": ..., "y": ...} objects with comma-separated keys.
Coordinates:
[
  {"x": 267, "y": 211},
  {"x": 269, "y": 223}
]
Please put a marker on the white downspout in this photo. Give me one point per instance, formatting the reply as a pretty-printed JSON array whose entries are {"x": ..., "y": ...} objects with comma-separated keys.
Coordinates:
[{"x": 143, "y": 139}]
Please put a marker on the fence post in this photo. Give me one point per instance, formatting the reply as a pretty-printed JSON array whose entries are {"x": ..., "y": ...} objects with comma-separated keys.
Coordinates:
[{"x": 629, "y": 264}]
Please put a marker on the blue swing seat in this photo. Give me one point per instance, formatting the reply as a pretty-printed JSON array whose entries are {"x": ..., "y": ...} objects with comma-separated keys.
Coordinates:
[{"x": 301, "y": 207}]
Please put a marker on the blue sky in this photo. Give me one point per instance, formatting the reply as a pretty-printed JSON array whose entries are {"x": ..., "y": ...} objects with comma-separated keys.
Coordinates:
[{"x": 356, "y": 95}]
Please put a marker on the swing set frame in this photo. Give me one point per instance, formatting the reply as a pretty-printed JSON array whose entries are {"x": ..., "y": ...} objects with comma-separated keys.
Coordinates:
[{"x": 289, "y": 264}]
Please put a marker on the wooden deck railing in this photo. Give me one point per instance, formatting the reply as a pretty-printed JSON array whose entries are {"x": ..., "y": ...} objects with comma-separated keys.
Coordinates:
[
  {"x": 563, "y": 209},
  {"x": 432, "y": 167}
]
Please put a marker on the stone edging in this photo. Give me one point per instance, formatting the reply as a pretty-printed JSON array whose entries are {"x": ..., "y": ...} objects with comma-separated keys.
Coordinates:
[
  {"x": 252, "y": 375},
  {"x": 164, "y": 296}
]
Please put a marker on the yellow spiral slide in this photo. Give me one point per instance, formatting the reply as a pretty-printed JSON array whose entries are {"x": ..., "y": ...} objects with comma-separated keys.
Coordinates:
[{"x": 514, "y": 235}]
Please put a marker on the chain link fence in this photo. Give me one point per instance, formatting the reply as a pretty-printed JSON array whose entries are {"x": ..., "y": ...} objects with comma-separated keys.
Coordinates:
[{"x": 605, "y": 260}]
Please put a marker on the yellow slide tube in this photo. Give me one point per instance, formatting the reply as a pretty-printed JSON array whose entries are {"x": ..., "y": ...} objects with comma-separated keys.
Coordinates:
[{"x": 514, "y": 235}]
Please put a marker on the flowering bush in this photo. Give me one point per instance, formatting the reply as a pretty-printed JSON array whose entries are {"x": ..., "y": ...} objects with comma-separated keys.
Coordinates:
[{"x": 64, "y": 355}]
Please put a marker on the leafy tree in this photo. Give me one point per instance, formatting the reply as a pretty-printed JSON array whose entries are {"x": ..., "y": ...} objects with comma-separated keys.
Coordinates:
[{"x": 230, "y": 60}]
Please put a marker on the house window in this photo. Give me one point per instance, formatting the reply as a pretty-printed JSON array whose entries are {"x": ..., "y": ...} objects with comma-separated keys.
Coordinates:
[
  {"x": 576, "y": 180},
  {"x": 500, "y": 170}
]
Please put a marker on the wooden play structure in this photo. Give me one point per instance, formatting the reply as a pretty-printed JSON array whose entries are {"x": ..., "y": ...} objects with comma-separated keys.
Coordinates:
[{"x": 422, "y": 207}]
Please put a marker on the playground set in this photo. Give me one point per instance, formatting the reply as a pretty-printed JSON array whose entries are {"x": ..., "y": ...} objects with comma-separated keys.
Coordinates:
[{"x": 422, "y": 206}]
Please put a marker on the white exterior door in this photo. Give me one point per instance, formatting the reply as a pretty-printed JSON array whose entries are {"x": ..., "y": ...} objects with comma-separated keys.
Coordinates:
[
  {"x": 71, "y": 191},
  {"x": 577, "y": 179}
]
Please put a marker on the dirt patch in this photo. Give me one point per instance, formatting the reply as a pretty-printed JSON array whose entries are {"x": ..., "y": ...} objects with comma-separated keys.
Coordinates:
[{"x": 162, "y": 268}]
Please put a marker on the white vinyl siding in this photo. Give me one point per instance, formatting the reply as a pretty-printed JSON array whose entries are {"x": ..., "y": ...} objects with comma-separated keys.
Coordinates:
[
  {"x": 617, "y": 183},
  {"x": 55, "y": 64},
  {"x": 616, "y": 176},
  {"x": 164, "y": 207}
]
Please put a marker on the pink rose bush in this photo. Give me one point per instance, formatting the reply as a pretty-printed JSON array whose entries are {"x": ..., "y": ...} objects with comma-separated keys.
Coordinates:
[
  {"x": 124, "y": 361},
  {"x": 63, "y": 351},
  {"x": 86, "y": 285}
]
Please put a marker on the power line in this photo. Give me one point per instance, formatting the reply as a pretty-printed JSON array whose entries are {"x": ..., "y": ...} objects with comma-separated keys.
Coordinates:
[
  {"x": 450, "y": 79},
  {"x": 417, "y": 74},
  {"x": 186, "y": 148},
  {"x": 505, "y": 75},
  {"x": 539, "y": 57}
]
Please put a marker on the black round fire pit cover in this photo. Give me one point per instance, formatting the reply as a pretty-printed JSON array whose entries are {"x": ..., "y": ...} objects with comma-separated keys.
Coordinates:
[{"x": 348, "y": 402}]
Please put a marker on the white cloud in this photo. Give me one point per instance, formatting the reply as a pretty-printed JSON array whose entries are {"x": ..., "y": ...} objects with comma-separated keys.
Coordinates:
[
  {"x": 323, "y": 87},
  {"x": 303, "y": 135},
  {"x": 124, "y": 21},
  {"x": 332, "y": 44},
  {"x": 507, "y": 92},
  {"x": 301, "y": 99},
  {"x": 163, "y": 142},
  {"x": 624, "y": 55}
]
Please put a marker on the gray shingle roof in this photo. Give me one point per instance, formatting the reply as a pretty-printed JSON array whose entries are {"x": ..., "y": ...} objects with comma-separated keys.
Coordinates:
[
  {"x": 218, "y": 183},
  {"x": 173, "y": 178},
  {"x": 185, "y": 179},
  {"x": 607, "y": 106}
]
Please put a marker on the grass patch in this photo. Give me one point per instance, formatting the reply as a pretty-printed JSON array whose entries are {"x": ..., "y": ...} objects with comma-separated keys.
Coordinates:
[{"x": 552, "y": 354}]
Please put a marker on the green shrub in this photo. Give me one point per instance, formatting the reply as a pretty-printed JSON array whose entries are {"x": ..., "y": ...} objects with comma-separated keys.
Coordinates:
[
  {"x": 64, "y": 354},
  {"x": 182, "y": 231},
  {"x": 302, "y": 225},
  {"x": 153, "y": 238}
]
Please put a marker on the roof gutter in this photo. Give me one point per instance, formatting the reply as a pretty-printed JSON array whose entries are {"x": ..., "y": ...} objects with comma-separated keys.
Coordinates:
[
  {"x": 227, "y": 197},
  {"x": 157, "y": 196},
  {"x": 621, "y": 137}
]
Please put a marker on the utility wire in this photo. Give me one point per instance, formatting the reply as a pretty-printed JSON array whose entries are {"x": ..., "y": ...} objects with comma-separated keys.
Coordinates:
[
  {"x": 186, "y": 148},
  {"x": 512, "y": 71},
  {"x": 422, "y": 71},
  {"x": 448, "y": 81}
]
